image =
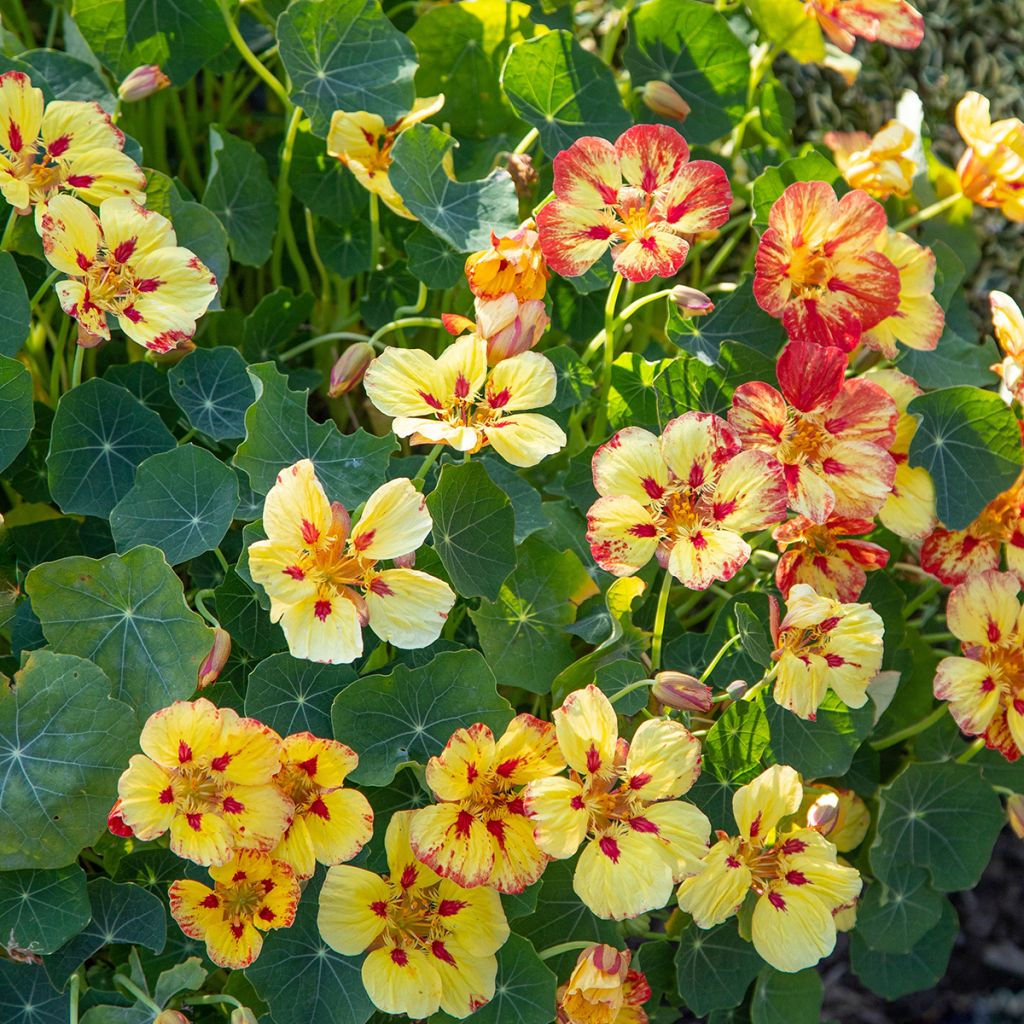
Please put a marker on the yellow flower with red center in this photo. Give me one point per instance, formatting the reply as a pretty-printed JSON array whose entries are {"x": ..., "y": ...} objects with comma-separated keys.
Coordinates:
[
  {"x": 985, "y": 687},
  {"x": 603, "y": 990},
  {"x": 831, "y": 435},
  {"x": 991, "y": 171},
  {"x": 454, "y": 400},
  {"x": 796, "y": 878},
  {"x": 478, "y": 834},
  {"x": 331, "y": 824},
  {"x": 642, "y": 197},
  {"x": 514, "y": 265},
  {"x": 205, "y": 775},
  {"x": 893, "y": 22},
  {"x": 363, "y": 143},
  {"x": 686, "y": 497},
  {"x": 323, "y": 575},
  {"x": 251, "y": 894},
  {"x": 620, "y": 803},
  {"x": 508, "y": 326},
  {"x": 127, "y": 263},
  {"x": 823, "y": 645},
  {"x": 840, "y": 814},
  {"x": 1008, "y": 325},
  {"x": 878, "y": 164},
  {"x": 827, "y": 557},
  {"x": 63, "y": 146},
  {"x": 818, "y": 267},
  {"x": 431, "y": 942}
]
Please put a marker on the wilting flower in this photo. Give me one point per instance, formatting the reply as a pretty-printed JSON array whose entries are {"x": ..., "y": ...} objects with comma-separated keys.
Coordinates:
[
  {"x": 125, "y": 262},
  {"x": 1008, "y": 324},
  {"x": 839, "y": 814},
  {"x": 641, "y": 197},
  {"x": 508, "y": 325},
  {"x": 66, "y": 146},
  {"x": 348, "y": 371},
  {"x": 331, "y": 824},
  {"x": 893, "y": 22},
  {"x": 795, "y": 874},
  {"x": 824, "y": 645},
  {"x": 322, "y": 573},
  {"x": 686, "y": 497},
  {"x": 431, "y": 942},
  {"x": 660, "y": 97},
  {"x": 252, "y": 893},
  {"x": 818, "y": 267},
  {"x": 991, "y": 171},
  {"x": 879, "y": 164},
  {"x": 620, "y": 800},
  {"x": 454, "y": 400},
  {"x": 478, "y": 833},
  {"x": 207, "y": 776},
  {"x": 513, "y": 265},
  {"x": 831, "y": 435},
  {"x": 603, "y": 990},
  {"x": 363, "y": 143},
  {"x": 142, "y": 83}
]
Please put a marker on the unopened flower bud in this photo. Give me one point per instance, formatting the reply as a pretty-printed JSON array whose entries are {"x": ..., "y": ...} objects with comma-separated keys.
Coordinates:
[
  {"x": 522, "y": 172},
  {"x": 678, "y": 690},
  {"x": 116, "y": 824},
  {"x": 1015, "y": 812},
  {"x": 348, "y": 371},
  {"x": 242, "y": 1015},
  {"x": 690, "y": 301},
  {"x": 665, "y": 101},
  {"x": 142, "y": 82},
  {"x": 824, "y": 813},
  {"x": 171, "y": 1017},
  {"x": 737, "y": 688},
  {"x": 341, "y": 520},
  {"x": 405, "y": 561},
  {"x": 215, "y": 661}
]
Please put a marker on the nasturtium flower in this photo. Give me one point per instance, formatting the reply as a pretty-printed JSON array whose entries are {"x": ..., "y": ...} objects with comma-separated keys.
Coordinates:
[
  {"x": 323, "y": 575},
  {"x": 431, "y": 942},
  {"x": 985, "y": 687},
  {"x": 206, "y": 775},
  {"x": 878, "y": 164},
  {"x": 1008, "y": 326},
  {"x": 794, "y": 873},
  {"x": 893, "y": 22},
  {"x": 641, "y": 197},
  {"x": 455, "y": 400},
  {"x": 602, "y": 989},
  {"x": 127, "y": 263},
  {"x": 64, "y": 146},
  {"x": 508, "y": 325},
  {"x": 251, "y": 894},
  {"x": 831, "y": 435},
  {"x": 363, "y": 143},
  {"x": 840, "y": 814},
  {"x": 513, "y": 265},
  {"x": 823, "y": 645},
  {"x": 478, "y": 832},
  {"x": 331, "y": 824},
  {"x": 818, "y": 267},
  {"x": 620, "y": 803},
  {"x": 991, "y": 171},
  {"x": 686, "y": 497}
]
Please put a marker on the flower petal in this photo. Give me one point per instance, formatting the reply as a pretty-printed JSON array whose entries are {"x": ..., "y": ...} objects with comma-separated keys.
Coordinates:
[
  {"x": 750, "y": 493},
  {"x": 792, "y": 928},
  {"x": 408, "y": 608},
  {"x": 395, "y": 522},
  {"x": 621, "y": 875},
  {"x": 402, "y": 980},
  {"x": 716, "y": 892},
  {"x": 707, "y": 555},
  {"x": 559, "y": 815},
  {"x": 525, "y": 438},
  {"x": 762, "y": 803},
  {"x": 651, "y": 156},
  {"x": 467, "y": 757},
  {"x": 587, "y": 731},
  {"x": 71, "y": 234},
  {"x": 574, "y": 238},
  {"x": 697, "y": 199},
  {"x": 984, "y": 609},
  {"x": 296, "y": 511},
  {"x": 623, "y": 535},
  {"x": 663, "y": 760},
  {"x": 405, "y": 382},
  {"x": 695, "y": 444},
  {"x": 630, "y": 464},
  {"x": 323, "y": 628},
  {"x": 586, "y": 175},
  {"x": 525, "y": 381},
  {"x": 454, "y": 842}
]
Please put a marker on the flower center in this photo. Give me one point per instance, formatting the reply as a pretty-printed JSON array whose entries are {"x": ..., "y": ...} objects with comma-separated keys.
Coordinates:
[
  {"x": 805, "y": 439},
  {"x": 810, "y": 271},
  {"x": 198, "y": 791}
]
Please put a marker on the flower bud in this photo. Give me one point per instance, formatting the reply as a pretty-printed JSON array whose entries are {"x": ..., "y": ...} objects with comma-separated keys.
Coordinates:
[
  {"x": 1015, "y": 812},
  {"x": 737, "y": 688},
  {"x": 116, "y": 824},
  {"x": 171, "y": 1017},
  {"x": 215, "y": 661},
  {"x": 510, "y": 327},
  {"x": 405, "y": 561},
  {"x": 678, "y": 690},
  {"x": 348, "y": 371},
  {"x": 691, "y": 302},
  {"x": 341, "y": 520},
  {"x": 522, "y": 172},
  {"x": 142, "y": 82},
  {"x": 665, "y": 101},
  {"x": 595, "y": 989},
  {"x": 824, "y": 813},
  {"x": 242, "y": 1015}
]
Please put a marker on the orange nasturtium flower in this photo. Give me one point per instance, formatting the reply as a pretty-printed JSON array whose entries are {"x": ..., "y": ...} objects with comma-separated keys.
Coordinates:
[
  {"x": 513, "y": 265},
  {"x": 64, "y": 146},
  {"x": 1008, "y": 325},
  {"x": 686, "y": 497},
  {"x": 877, "y": 164},
  {"x": 508, "y": 325},
  {"x": 207, "y": 776},
  {"x": 431, "y": 942},
  {"x": 893, "y": 22},
  {"x": 818, "y": 266},
  {"x": 991, "y": 171},
  {"x": 363, "y": 142},
  {"x": 603, "y": 990},
  {"x": 831, "y": 435},
  {"x": 620, "y": 800},
  {"x": 127, "y": 263},
  {"x": 641, "y": 197},
  {"x": 251, "y": 893},
  {"x": 454, "y": 400},
  {"x": 478, "y": 834},
  {"x": 322, "y": 574},
  {"x": 794, "y": 874}
]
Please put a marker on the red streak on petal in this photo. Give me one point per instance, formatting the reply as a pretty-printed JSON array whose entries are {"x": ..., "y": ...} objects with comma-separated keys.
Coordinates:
[
  {"x": 380, "y": 908},
  {"x": 80, "y": 180},
  {"x": 59, "y": 146},
  {"x": 309, "y": 765},
  {"x": 322, "y": 609},
  {"x": 639, "y": 780},
  {"x": 363, "y": 540},
  {"x": 776, "y": 900},
  {"x": 233, "y": 806},
  {"x": 461, "y": 386},
  {"x": 449, "y": 908},
  {"x": 123, "y": 251},
  {"x": 652, "y": 487},
  {"x": 593, "y": 760},
  {"x": 437, "y": 947},
  {"x": 220, "y": 764},
  {"x": 319, "y": 808},
  {"x": 506, "y": 768},
  {"x": 400, "y": 957},
  {"x": 463, "y": 823},
  {"x": 644, "y": 530},
  {"x": 643, "y": 825},
  {"x": 167, "y": 795},
  {"x": 993, "y": 633},
  {"x": 610, "y": 848},
  {"x": 266, "y": 914},
  {"x": 184, "y": 752},
  {"x": 796, "y": 878},
  {"x": 210, "y": 901},
  {"x": 380, "y": 588},
  {"x": 310, "y": 534},
  {"x": 409, "y": 876},
  {"x": 294, "y": 571},
  {"x": 195, "y": 821},
  {"x": 14, "y": 138}
]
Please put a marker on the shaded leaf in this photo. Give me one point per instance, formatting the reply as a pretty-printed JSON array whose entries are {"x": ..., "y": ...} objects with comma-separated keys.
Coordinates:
[
  {"x": 212, "y": 388},
  {"x": 892, "y": 916},
  {"x": 524, "y": 990},
  {"x": 291, "y": 695},
  {"x": 16, "y": 413},
  {"x": 41, "y": 910},
  {"x": 714, "y": 967},
  {"x": 787, "y": 998},
  {"x": 14, "y": 314},
  {"x": 823, "y": 747}
]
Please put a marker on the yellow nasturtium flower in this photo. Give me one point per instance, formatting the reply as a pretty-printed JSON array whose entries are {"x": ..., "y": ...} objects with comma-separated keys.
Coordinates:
[
  {"x": 991, "y": 171},
  {"x": 878, "y": 164},
  {"x": 1008, "y": 326},
  {"x": 513, "y": 265},
  {"x": 603, "y": 990}
]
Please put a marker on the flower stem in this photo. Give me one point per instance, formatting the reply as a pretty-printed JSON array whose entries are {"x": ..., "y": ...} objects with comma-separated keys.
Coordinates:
[
  {"x": 409, "y": 321},
  {"x": 76, "y": 982},
  {"x": 200, "y": 598},
  {"x": 130, "y": 987},
  {"x": 374, "y": 231},
  {"x": 421, "y": 473},
  {"x": 12, "y": 219},
  {"x": 309, "y": 343},
  {"x": 659, "y": 621},
  {"x": 211, "y": 1000},
  {"x": 722, "y": 651},
  {"x": 250, "y": 58},
  {"x": 601, "y": 419},
  {"x": 526, "y": 141},
  {"x": 929, "y": 211},
  {"x": 911, "y": 730},
  {"x": 614, "y": 34},
  {"x": 43, "y": 289},
  {"x": 975, "y": 748},
  {"x": 76, "y": 369},
  {"x": 923, "y": 597},
  {"x": 565, "y": 947},
  {"x": 285, "y": 235},
  {"x": 640, "y": 303},
  {"x": 631, "y": 688}
]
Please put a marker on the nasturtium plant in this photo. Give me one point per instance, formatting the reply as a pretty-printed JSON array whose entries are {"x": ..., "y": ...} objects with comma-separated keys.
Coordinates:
[{"x": 507, "y": 513}]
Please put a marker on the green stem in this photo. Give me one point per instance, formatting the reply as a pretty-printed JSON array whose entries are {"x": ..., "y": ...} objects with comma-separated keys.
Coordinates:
[
  {"x": 250, "y": 58},
  {"x": 76, "y": 369},
  {"x": 12, "y": 219},
  {"x": 130, "y": 987},
  {"x": 975, "y": 748},
  {"x": 640, "y": 303},
  {"x": 43, "y": 289},
  {"x": 611, "y": 38},
  {"x": 527, "y": 141},
  {"x": 76, "y": 982},
  {"x": 421, "y": 473},
  {"x": 325, "y": 277},
  {"x": 305, "y": 346},
  {"x": 601, "y": 419},
  {"x": 417, "y": 306},
  {"x": 565, "y": 947},
  {"x": 212, "y": 1000},
  {"x": 935, "y": 715},
  {"x": 188, "y": 435},
  {"x": 285, "y": 235},
  {"x": 722, "y": 651},
  {"x": 200, "y": 597},
  {"x": 185, "y": 140},
  {"x": 410, "y": 321},
  {"x": 938, "y": 638},
  {"x": 374, "y": 231},
  {"x": 57, "y": 366},
  {"x": 929, "y": 211},
  {"x": 638, "y": 685},
  {"x": 659, "y": 621},
  {"x": 922, "y": 598},
  {"x": 223, "y": 561}
]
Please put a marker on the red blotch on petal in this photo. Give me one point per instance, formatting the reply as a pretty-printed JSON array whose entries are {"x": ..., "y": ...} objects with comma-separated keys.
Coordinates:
[
  {"x": 449, "y": 908},
  {"x": 310, "y": 534},
  {"x": 400, "y": 957},
  {"x": 610, "y": 848},
  {"x": 322, "y": 609},
  {"x": 437, "y": 947},
  {"x": 232, "y": 806},
  {"x": 320, "y": 809},
  {"x": 184, "y": 752}
]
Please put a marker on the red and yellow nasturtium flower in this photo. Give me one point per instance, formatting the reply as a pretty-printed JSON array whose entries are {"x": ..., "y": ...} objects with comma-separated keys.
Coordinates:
[
  {"x": 478, "y": 832},
  {"x": 1008, "y": 326},
  {"x": 794, "y": 874},
  {"x": 818, "y": 266},
  {"x": 641, "y": 197},
  {"x": 323, "y": 575},
  {"x": 831, "y": 435},
  {"x": 508, "y": 325},
  {"x": 686, "y": 497},
  {"x": 455, "y": 400},
  {"x": 991, "y": 171},
  {"x": 330, "y": 824},
  {"x": 125, "y": 263},
  {"x": 251, "y": 894},
  {"x": 620, "y": 802},
  {"x": 603, "y": 990},
  {"x": 431, "y": 942},
  {"x": 513, "y": 265},
  {"x": 893, "y": 22},
  {"x": 878, "y": 164},
  {"x": 207, "y": 776}
]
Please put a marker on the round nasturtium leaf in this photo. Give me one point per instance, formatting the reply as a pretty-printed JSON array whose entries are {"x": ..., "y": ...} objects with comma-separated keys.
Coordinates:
[
  {"x": 41, "y": 910},
  {"x": 16, "y": 415},
  {"x": 213, "y": 390}
]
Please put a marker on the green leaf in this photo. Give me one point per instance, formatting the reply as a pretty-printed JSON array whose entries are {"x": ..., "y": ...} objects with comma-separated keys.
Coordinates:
[
  {"x": 954, "y": 360},
  {"x": 14, "y": 315},
  {"x": 62, "y": 748},
  {"x": 278, "y": 433},
  {"x": 526, "y": 503},
  {"x": 62, "y": 76},
  {"x": 892, "y": 916},
  {"x": 323, "y": 183},
  {"x": 240, "y": 613},
  {"x": 754, "y": 638},
  {"x": 213, "y": 390},
  {"x": 575, "y": 380},
  {"x": 16, "y": 414},
  {"x": 182, "y": 502},
  {"x": 823, "y": 747},
  {"x": 714, "y": 967},
  {"x": 127, "y": 613},
  {"x": 773, "y": 181},
  {"x": 186, "y": 977},
  {"x": 524, "y": 991},
  {"x": 463, "y": 213},
  {"x": 473, "y": 531},
  {"x": 789, "y": 27},
  {"x": 787, "y": 998},
  {"x": 149, "y": 386},
  {"x": 291, "y": 695},
  {"x": 778, "y": 109},
  {"x": 737, "y": 742},
  {"x": 345, "y": 55},
  {"x": 27, "y": 997},
  {"x": 275, "y": 319},
  {"x": 633, "y": 399},
  {"x": 969, "y": 441},
  {"x": 431, "y": 259},
  {"x": 410, "y": 714},
  {"x": 100, "y": 435},
  {"x": 562, "y": 90},
  {"x": 41, "y": 910},
  {"x": 737, "y": 364},
  {"x": 239, "y": 192}
]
